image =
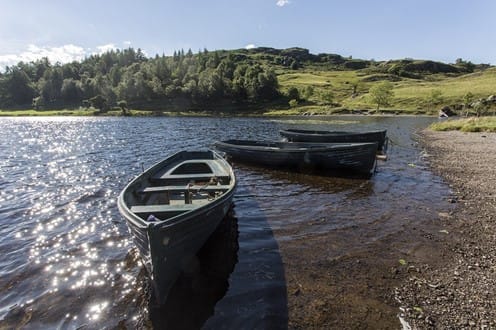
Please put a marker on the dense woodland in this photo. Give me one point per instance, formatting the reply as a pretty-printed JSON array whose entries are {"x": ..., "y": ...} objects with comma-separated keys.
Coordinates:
[
  {"x": 238, "y": 77},
  {"x": 129, "y": 76}
]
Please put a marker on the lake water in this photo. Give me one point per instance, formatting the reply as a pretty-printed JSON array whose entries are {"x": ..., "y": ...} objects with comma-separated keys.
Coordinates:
[{"x": 68, "y": 260}]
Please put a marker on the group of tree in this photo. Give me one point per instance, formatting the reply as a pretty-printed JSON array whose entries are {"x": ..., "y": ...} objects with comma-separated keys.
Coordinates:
[
  {"x": 128, "y": 79},
  {"x": 128, "y": 76}
]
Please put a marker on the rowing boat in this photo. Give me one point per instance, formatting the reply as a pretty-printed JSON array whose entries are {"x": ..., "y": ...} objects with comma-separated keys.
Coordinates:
[
  {"x": 327, "y": 158},
  {"x": 300, "y": 135},
  {"x": 172, "y": 208}
]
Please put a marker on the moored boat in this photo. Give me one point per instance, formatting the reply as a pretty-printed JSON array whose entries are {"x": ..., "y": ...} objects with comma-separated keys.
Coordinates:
[
  {"x": 300, "y": 135},
  {"x": 172, "y": 208},
  {"x": 328, "y": 158}
]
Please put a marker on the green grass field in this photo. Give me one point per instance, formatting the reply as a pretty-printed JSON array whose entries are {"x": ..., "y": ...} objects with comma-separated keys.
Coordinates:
[
  {"x": 411, "y": 96},
  {"x": 474, "y": 124}
]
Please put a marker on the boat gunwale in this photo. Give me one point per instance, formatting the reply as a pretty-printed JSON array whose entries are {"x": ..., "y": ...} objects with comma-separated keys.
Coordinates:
[
  {"x": 163, "y": 224},
  {"x": 328, "y": 133},
  {"x": 317, "y": 146}
]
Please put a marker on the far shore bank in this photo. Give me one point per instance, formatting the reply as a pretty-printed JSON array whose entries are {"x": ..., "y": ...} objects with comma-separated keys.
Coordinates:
[
  {"x": 211, "y": 113},
  {"x": 462, "y": 123}
]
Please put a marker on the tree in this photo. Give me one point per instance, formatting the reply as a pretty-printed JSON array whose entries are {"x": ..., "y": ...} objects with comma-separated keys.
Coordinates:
[
  {"x": 210, "y": 85},
  {"x": 327, "y": 97},
  {"x": 239, "y": 92},
  {"x": 467, "y": 99},
  {"x": 40, "y": 66},
  {"x": 308, "y": 92},
  {"x": 38, "y": 102},
  {"x": 17, "y": 87},
  {"x": 156, "y": 87},
  {"x": 134, "y": 85},
  {"x": 53, "y": 78},
  {"x": 480, "y": 108},
  {"x": 99, "y": 102},
  {"x": 293, "y": 103},
  {"x": 226, "y": 68},
  {"x": 71, "y": 90},
  {"x": 123, "y": 105},
  {"x": 355, "y": 84},
  {"x": 382, "y": 93},
  {"x": 293, "y": 93},
  {"x": 294, "y": 65},
  {"x": 213, "y": 60},
  {"x": 435, "y": 98},
  {"x": 191, "y": 89},
  {"x": 267, "y": 85},
  {"x": 251, "y": 81}
]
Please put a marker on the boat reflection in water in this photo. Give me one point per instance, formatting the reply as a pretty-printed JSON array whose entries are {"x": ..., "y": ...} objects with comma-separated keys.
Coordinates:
[{"x": 191, "y": 300}]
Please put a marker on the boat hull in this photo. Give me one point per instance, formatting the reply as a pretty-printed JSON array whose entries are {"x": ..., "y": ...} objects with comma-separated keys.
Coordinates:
[
  {"x": 296, "y": 135},
  {"x": 173, "y": 248},
  {"x": 167, "y": 247},
  {"x": 327, "y": 158}
]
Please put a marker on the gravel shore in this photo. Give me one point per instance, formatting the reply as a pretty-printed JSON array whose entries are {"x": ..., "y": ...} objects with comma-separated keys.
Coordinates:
[{"x": 458, "y": 291}]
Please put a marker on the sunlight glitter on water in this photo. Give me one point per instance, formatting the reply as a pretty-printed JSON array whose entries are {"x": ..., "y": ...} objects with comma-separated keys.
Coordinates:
[
  {"x": 68, "y": 248},
  {"x": 96, "y": 310},
  {"x": 55, "y": 190}
]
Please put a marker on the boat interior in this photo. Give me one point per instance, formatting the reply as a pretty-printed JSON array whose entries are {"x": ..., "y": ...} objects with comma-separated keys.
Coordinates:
[{"x": 180, "y": 188}]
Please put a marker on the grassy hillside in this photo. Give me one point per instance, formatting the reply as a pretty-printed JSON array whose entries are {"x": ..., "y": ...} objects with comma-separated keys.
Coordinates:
[{"x": 410, "y": 95}]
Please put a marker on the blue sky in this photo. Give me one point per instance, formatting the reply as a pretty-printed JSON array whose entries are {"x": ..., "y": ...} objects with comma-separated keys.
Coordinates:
[{"x": 66, "y": 30}]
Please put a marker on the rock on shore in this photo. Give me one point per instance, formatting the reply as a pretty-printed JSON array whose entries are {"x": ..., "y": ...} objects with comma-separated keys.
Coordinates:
[{"x": 460, "y": 291}]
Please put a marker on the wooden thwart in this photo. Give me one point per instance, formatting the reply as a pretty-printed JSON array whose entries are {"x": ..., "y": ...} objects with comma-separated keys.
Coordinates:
[
  {"x": 186, "y": 188},
  {"x": 156, "y": 209}
]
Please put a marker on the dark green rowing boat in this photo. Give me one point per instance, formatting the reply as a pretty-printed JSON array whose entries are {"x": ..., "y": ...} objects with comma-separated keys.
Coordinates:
[
  {"x": 172, "y": 208},
  {"x": 333, "y": 159},
  {"x": 301, "y": 135}
]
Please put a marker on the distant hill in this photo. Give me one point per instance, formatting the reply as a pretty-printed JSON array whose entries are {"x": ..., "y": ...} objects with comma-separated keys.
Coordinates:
[
  {"x": 302, "y": 57},
  {"x": 257, "y": 79}
]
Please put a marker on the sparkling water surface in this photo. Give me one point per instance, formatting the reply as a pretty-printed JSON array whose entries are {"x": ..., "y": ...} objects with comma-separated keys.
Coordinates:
[{"x": 68, "y": 260}]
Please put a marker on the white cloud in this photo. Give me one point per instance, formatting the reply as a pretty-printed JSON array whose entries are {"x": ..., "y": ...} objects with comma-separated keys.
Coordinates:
[
  {"x": 8, "y": 60},
  {"x": 63, "y": 54},
  {"x": 105, "y": 48},
  {"x": 282, "y": 3},
  {"x": 127, "y": 43},
  {"x": 250, "y": 46}
]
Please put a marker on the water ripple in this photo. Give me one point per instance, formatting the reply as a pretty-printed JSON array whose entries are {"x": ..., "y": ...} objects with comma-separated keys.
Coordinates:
[{"x": 68, "y": 260}]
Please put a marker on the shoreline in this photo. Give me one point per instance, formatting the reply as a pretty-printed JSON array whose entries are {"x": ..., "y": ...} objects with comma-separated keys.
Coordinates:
[
  {"x": 267, "y": 111},
  {"x": 446, "y": 279},
  {"x": 458, "y": 291},
  {"x": 70, "y": 113}
]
